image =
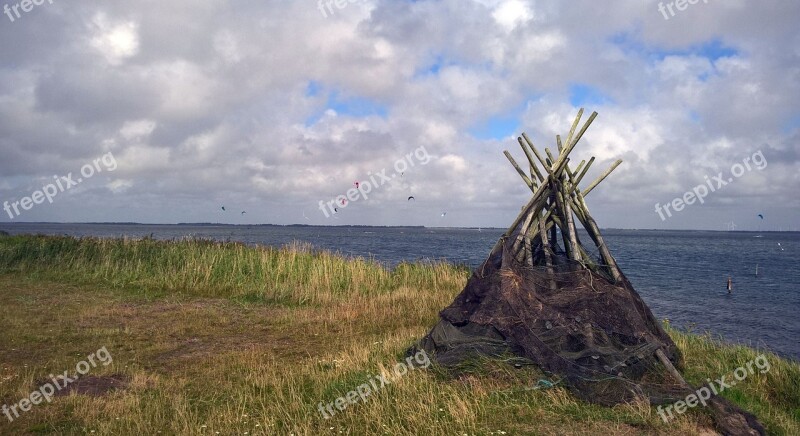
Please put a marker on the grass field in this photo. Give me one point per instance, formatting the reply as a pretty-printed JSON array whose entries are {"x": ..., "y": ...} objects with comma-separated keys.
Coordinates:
[{"x": 221, "y": 338}]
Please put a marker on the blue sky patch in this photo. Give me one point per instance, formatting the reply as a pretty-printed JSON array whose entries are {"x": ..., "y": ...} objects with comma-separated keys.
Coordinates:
[
  {"x": 792, "y": 124},
  {"x": 355, "y": 106},
  {"x": 581, "y": 95},
  {"x": 504, "y": 124},
  {"x": 497, "y": 127},
  {"x": 712, "y": 50},
  {"x": 431, "y": 69},
  {"x": 313, "y": 88}
]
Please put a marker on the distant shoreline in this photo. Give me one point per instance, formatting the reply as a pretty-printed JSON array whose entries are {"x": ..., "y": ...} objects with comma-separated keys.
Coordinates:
[{"x": 367, "y": 226}]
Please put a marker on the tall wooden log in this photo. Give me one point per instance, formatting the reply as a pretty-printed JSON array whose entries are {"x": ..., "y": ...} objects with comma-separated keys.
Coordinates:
[
  {"x": 576, "y": 200},
  {"x": 553, "y": 230},
  {"x": 548, "y": 259},
  {"x": 559, "y": 165},
  {"x": 531, "y": 161},
  {"x": 565, "y": 231},
  {"x": 549, "y": 155},
  {"x": 536, "y": 152},
  {"x": 574, "y": 126},
  {"x": 591, "y": 226},
  {"x": 580, "y": 166},
  {"x": 537, "y": 196},
  {"x": 583, "y": 172},
  {"x": 573, "y": 237},
  {"x": 602, "y": 177},
  {"x": 522, "y": 174},
  {"x": 523, "y": 231}
]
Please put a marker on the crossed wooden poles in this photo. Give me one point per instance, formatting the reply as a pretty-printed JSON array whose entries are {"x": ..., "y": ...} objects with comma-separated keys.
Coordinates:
[{"x": 556, "y": 199}]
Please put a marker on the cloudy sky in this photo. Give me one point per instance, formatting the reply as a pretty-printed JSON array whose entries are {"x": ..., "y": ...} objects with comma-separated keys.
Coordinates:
[{"x": 272, "y": 107}]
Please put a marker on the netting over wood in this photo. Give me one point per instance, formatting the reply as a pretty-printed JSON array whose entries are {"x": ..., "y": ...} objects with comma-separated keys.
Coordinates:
[{"x": 541, "y": 294}]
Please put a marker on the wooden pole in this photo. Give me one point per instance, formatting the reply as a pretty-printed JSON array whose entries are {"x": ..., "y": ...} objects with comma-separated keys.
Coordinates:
[
  {"x": 536, "y": 197},
  {"x": 528, "y": 252},
  {"x": 580, "y": 166},
  {"x": 523, "y": 231},
  {"x": 573, "y": 239},
  {"x": 574, "y": 125},
  {"x": 602, "y": 177},
  {"x": 591, "y": 226},
  {"x": 548, "y": 260},
  {"x": 565, "y": 232},
  {"x": 671, "y": 369},
  {"x": 553, "y": 230},
  {"x": 559, "y": 165},
  {"x": 530, "y": 159},
  {"x": 583, "y": 173},
  {"x": 549, "y": 155},
  {"x": 576, "y": 199},
  {"x": 536, "y": 152},
  {"x": 519, "y": 170}
]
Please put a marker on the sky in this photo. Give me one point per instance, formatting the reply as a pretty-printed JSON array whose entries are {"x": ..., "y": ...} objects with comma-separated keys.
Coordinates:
[{"x": 168, "y": 111}]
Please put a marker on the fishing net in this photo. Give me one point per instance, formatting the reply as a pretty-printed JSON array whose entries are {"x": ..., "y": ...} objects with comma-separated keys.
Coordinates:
[
  {"x": 597, "y": 335},
  {"x": 592, "y": 334}
]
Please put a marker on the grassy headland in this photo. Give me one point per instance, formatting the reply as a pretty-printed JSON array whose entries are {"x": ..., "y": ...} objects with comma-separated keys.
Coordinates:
[{"x": 222, "y": 337}]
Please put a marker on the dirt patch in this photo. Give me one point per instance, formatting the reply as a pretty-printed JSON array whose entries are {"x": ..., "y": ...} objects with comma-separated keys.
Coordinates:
[
  {"x": 175, "y": 334},
  {"x": 94, "y": 386}
]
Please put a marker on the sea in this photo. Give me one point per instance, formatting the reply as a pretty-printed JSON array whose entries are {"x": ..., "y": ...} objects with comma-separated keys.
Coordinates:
[{"x": 681, "y": 275}]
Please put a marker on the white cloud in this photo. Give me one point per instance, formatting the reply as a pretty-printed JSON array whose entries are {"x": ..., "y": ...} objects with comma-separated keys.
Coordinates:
[
  {"x": 137, "y": 130},
  {"x": 511, "y": 13},
  {"x": 115, "y": 40}
]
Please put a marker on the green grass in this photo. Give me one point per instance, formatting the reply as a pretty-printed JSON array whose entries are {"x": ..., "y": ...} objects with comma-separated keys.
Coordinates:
[
  {"x": 222, "y": 337},
  {"x": 295, "y": 274}
]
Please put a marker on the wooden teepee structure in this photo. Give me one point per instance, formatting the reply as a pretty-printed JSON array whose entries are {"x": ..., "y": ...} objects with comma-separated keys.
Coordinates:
[
  {"x": 556, "y": 203},
  {"x": 571, "y": 313}
]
